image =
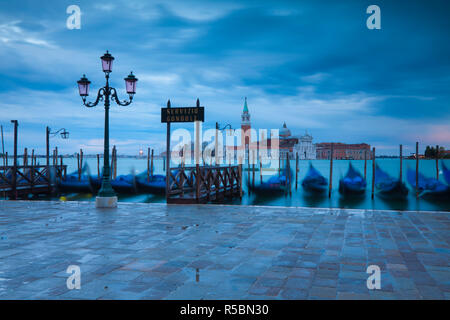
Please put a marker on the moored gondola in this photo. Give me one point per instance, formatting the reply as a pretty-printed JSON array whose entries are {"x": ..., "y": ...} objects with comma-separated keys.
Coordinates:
[
  {"x": 74, "y": 184},
  {"x": 125, "y": 184},
  {"x": 446, "y": 172},
  {"x": 314, "y": 182},
  {"x": 389, "y": 187},
  {"x": 155, "y": 184},
  {"x": 353, "y": 184},
  {"x": 276, "y": 185},
  {"x": 428, "y": 187}
]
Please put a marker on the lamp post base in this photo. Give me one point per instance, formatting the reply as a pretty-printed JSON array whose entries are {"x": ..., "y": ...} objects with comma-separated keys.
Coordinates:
[{"x": 106, "y": 202}]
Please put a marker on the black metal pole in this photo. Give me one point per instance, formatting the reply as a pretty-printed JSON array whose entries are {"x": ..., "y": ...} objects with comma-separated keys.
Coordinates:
[
  {"x": 14, "y": 173},
  {"x": 417, "y": 170},
  {"x": 3, "y": 150},
  {"x": 106, "y": 189},
  {"x": 47, "y": 142},
  {"x": 168, "y": 155}
]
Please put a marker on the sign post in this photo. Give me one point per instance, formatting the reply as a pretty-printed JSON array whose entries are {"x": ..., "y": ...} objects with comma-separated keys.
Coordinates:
[{"x": 176, "y": 115}]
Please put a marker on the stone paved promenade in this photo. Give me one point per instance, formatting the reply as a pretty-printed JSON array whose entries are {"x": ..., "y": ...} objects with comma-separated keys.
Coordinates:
[{"x": 158, "y": 251}]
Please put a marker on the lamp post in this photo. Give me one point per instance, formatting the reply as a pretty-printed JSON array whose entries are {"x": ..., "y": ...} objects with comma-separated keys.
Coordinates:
[
  {"x": 216, "y": 147},
  {"x": 64, "y": 135},
  {"x": 106, "y": 196}
]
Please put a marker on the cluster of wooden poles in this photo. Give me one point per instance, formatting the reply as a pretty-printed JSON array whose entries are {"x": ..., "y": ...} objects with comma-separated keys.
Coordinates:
[
  {"x": 288, "y": 178},
  {"x": 150, "y": 163}
]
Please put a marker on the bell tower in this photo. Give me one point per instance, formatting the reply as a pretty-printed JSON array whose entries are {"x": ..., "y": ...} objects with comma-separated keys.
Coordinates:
[
  {"x": 245, "y": 126},
  {"x": 245, "y": 117}
]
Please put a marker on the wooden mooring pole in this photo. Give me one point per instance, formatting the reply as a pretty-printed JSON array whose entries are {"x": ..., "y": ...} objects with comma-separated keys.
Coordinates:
[
  {"x": 288, "y": 167},
  {"x": 248, "y": 167},
  {"x": 373, "y": 172},
  {"x": 296, "y": 170},
  {"x": 437, "y": 162},
  {"x": 98, "y": 166},
  {"x": 401, "y": 163},
  {"x": 417, "y": 169},
  {"x": 365, "y": 164},
  {"x": 148, "y": 164},
  {"x": 260, "y": 169},
  {"x": 25, "y": 157},
  {"x": 3, "y": 150},
  {"x": 112, "y": 161},
  {"x": 151, "y": 165},
  {"x": 240, "y": 178},
  {"x": 115, "y": 162},
  {"x": 14, "y": 173},
  {"x": 78, "y": 167},
  {"x": 331, "y": 170},
  {"x": 253, "y": 168},
  {"x": 279, "y": 163}
]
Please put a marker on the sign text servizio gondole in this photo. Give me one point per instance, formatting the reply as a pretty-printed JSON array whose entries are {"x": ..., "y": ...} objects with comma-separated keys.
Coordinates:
[{"x": 188, "y": 114}]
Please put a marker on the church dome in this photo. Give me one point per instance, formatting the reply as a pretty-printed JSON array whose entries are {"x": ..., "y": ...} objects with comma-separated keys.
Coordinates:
[
  {"x": 285, "y": 132},
  {"x": 306, "y": 138}
]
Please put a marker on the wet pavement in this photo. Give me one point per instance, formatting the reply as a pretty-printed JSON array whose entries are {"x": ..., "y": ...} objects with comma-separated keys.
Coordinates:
[{"x": 158, "y": 251}]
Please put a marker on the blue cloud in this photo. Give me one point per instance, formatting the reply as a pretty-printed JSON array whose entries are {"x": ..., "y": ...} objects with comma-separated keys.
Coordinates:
[{"x": 314, "y": 64}]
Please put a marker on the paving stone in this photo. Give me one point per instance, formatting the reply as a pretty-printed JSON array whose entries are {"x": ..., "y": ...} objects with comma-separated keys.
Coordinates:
[{"x": 158, "y": 251}]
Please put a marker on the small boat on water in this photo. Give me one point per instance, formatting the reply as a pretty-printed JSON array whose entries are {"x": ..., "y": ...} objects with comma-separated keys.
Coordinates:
[
  {"x": 353, "y": 183},
  {"x": 428, "y": 187},
  {"x": 446, "y": 172},
  {"x": 156, "y": 183},
  {"x": 275, "y": 185},
  {"x": 314, "y": 182},
  {"x": 122, "y": 184},
  {"x": 389, "y": 187},
  {"x": 71, "y": 184}
]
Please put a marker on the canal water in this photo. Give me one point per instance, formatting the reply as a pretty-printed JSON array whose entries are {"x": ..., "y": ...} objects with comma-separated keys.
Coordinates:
[{"x": 299, "y": 197}]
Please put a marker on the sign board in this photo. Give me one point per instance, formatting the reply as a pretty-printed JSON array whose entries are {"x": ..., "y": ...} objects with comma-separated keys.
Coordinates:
[{"x": 188, "y": 114}]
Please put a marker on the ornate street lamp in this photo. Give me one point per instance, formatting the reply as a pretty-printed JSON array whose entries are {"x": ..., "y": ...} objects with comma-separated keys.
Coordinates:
[
  {"x": 106, "y": 196},
  {"x": 216, "y": 145},
  {"x": 63, "y": 132},
  {"x": 48, "y": 133}
]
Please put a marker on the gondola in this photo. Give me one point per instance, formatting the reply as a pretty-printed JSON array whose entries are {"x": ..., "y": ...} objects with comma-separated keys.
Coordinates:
[
  {"x": 428, "y": 187},
  {"x": 353, "y": 183},
  {"x": 446, "y": 173},
  {"x": 314, "y": 182},
  {"x": 275, "y": 185},
  {"x": 125, "y": 184},
  {"x": 389, "y": 187},
  {"x": 71, "y": 184},
  {"x": 156, "y": 184}
]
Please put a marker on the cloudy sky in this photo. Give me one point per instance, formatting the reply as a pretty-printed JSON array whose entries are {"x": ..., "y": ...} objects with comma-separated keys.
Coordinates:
[{"x": 313, "y": 64}]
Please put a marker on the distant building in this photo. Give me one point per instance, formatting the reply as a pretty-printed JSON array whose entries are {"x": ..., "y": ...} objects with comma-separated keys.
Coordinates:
[
  {"x": 305, "y": 148},
  {"x": 343, "y": 151},
  {"x": 287, "y": 142}
]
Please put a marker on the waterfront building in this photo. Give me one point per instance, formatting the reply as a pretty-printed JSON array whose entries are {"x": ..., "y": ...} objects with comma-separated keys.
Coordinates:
[
  {"x": 287, "y": 142},
  {"x": 305, "y": 148},
  {"x": 343, "y": 151}
]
